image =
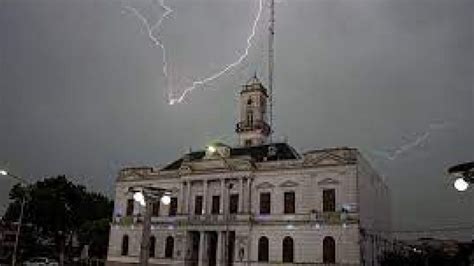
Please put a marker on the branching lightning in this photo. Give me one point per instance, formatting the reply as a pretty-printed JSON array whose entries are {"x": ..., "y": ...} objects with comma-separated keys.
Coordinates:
[
  {"x": 412, "y": 144},
  {"x": 152, "y": 28},
  {"x": 228, "y": 67}
]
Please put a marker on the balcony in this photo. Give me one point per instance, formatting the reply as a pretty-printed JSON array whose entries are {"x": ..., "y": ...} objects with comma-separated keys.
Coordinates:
[
  {"x": 245, "y": 126},
  {"x": 318, "y": 217},
  {"x": 242, "y": 218},
  {"x": 218, "y": 219},
  {"x": 138, "y": 219}
]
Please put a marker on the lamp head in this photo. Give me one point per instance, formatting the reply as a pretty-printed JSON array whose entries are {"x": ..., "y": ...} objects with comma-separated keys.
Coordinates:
[
  {"x": 464, "y": 174},
  {"x": 139, "y": 197},
  {"x": 3, "y": 172},
  {"x": 460, "y": 184},
  {"x": 166, "y": 199}
]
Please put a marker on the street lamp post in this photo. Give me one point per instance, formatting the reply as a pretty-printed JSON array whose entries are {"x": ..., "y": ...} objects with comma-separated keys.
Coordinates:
[
  {"x": 20, "y": 218},
  {"x": 146, "y": 196},
  {"x": 227, "y": 218}
]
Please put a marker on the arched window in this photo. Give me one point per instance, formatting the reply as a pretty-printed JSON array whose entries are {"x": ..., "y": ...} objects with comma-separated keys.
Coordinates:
[
  {"x": 329, "y": 250},
  {"x": 169, "y": 247},
  {"x": 152, "y": 246},
  {"x": 125, "y": 245},
  {"x": 288, "y": 249},
  {"x": 263, "y": 249}
]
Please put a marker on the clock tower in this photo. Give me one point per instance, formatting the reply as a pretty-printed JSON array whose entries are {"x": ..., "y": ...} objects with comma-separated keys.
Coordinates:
[{"x": 252, "y": 128}]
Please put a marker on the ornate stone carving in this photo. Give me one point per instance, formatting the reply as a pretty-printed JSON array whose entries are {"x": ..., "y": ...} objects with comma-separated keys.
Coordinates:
[
  {"x": 289, "y": 183},
  {"x": 265, "y": 185},
  {"x": 328, "y": 181}
]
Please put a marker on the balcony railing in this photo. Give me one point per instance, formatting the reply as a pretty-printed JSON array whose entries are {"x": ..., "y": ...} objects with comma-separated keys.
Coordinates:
[
  {"x": 222, "y": 219},
  {"x": 319, "y": 217},
  {"x": 217, "y": 219},
  {"x": 256, "y": 125}
]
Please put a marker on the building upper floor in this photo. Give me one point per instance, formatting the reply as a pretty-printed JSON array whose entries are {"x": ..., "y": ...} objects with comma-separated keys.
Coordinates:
[{"x": 266, "y": 183}]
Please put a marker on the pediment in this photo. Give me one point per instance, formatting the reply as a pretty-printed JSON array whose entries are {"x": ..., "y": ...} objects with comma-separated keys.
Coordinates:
[
  {"x": 241, "y": 165},
  {"x": 327, "y": 158},
  {"x": 265, "y": 185},
  {"x": 130, "y": 177},
  {"x": 289, "y": 183},
  {"x": 328, "y": 181}
]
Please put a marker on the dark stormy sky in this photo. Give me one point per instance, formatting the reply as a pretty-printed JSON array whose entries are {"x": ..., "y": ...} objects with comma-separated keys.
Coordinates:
[{"x": 83, "y": 93}]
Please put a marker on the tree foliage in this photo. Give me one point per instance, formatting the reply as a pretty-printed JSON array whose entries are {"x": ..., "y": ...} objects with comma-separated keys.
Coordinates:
[{"x": 58, "y": 213}]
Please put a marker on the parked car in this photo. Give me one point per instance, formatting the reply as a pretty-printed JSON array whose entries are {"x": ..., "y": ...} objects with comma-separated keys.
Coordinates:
[{"x": 40, "y": 261}]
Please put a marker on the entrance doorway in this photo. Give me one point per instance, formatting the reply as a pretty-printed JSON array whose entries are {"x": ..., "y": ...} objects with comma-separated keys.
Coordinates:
[
  {"x": 193, "y": 252},
  {"x": 212, "y": 248},
  {"x": 230, "y": 248}
]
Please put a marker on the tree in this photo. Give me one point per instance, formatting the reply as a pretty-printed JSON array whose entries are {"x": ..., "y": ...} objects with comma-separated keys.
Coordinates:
[{"x": 57, "y": 212}]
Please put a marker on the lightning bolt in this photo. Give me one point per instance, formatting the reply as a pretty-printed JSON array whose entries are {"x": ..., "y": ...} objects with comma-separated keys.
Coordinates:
[
  {"x": 412, "y": 144},
  {"x": 227, "y": 68},
  {"x": 404, "y": 148},
  {"x": 152, "y": 28}
]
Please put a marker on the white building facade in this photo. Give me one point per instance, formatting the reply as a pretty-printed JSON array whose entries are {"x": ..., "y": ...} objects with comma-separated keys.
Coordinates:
[{"x": 256, "y": 204}]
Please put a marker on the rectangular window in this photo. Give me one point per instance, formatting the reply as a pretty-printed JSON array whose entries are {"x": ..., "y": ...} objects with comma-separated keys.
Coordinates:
[
  {"x": 216, "y": 201},
  {"x": 198, "y": 205},
  {"x": 156, "y": 209},
  {"x": 265, "y": 204},
  {"x": 289, "y": 202},
  {"x": 329, "y": 200},
  {"x": 234, "y": 203},
  {"x": 173, "y": 206},
  {"x": 130, "y": 203}
]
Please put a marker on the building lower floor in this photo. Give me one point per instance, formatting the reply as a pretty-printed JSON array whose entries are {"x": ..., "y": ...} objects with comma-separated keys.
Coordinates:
[{"x": 240, "y": 245}]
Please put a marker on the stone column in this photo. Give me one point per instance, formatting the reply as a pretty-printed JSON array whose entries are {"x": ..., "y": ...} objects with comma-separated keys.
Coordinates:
[
  {"x": 221, "y": 203},
  {"x": 241, "y": 195},
  {"x": 188, "y": 197},
  {"x": 219, "y": 254},
  {"x": 204, "y": 200},
  {"x": 249, "y": 195},
  {"x": 181, "y": 198},
  {"x": 202, "y": 249}
]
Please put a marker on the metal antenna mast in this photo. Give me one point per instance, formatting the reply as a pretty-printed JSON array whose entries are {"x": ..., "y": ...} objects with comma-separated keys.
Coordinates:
[{"x": 271, "y": 38}]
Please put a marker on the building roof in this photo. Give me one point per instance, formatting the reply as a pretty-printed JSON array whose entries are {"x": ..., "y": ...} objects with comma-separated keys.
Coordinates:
[{"x": 260, "y": 153}]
